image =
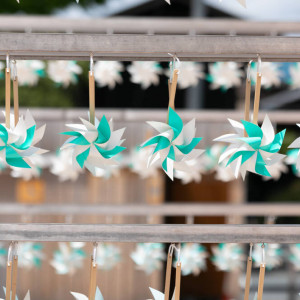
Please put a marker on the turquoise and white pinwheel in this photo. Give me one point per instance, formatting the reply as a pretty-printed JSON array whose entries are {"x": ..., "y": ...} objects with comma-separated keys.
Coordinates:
[
  {"x": 17, "y": 143},
  {"x": 78, "y": 296},
  {"x": 30, "y": 255},
  {"x": 108, "y": 256},
  {"x": 157, "y": 295},
  {"x": 257, "y": 152},
  {"x": 193, "y": 259},
  {"x": 174, "y": 145},
  {"x": 296, "y": 145},
  {"x": 292, "y": 159},
  {"x": 94, "y": 146}
]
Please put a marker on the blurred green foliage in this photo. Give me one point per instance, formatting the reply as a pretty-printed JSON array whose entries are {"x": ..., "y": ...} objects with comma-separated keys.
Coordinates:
[{"x": 38, "y": 6}]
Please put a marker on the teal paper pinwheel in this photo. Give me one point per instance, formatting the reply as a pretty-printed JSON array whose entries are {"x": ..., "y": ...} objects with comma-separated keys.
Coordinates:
[
  {"x": 174, "y": 145},
  {"x": 94, "y": 146},
  {"x": 257, "y": 152},
  {"x": 17, "y": 143}
]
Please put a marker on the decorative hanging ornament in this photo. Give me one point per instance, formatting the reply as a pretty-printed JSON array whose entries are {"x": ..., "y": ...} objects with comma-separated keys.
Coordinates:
[
  {"x": 108, "y": 73},
  {"x": 30, "y": 255},
  {"x": 193, "y": 259},
  {"x": 175, "y": 144},
  {"x": 108, "y": 256},
  {"x": 292, "y": 159},
  {"x": 64, "y": 72},
  {"x": 191, "y": 172},
  {"x": 145, "y": 73},
  {"x": 252, "y": 148},
  {"x": 296, "y": 155},
  {"x": 94, "y": 142},
  {"x": 228, "y": 257},
  {"x": 18, "y": 136}
]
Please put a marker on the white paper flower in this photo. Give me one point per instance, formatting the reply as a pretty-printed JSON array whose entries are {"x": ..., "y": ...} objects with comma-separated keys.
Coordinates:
[
  {"x": 63, "y": 72},
  {"x": 78, "y": 296},
  {"x": 271, "y": 75},
  {"x": 149, "y": 257},
  {"x": 107, "y": 73},
  {"x": 273, "y": 255},
  {"x": 29, "y": 72},
  {"x": 193, "y": 259},
  {"x": 67, "y": 260},
  {"x": 190, "y": 74},
  {"x": 17, "y": 143},
  {"x": 228, "y": 257},
  {"x": 94, "y": 146},
  {"x": 224, "y": 75},
  {"x": 30, "y": 255},
  {"x": 145, "y": 73},
  {"x": 108, "y": 256},
  {"x": 257, "y": 152},
  {"x": 294, "y": 257}
]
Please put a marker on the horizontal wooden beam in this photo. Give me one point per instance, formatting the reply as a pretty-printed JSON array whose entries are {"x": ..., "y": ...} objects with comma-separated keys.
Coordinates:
[
  {"x": 124, "y": 47},
  {"x": 184, "y": 209},
  {"x": 140, "y": 25},
  {"x": 151, "y": 233}
]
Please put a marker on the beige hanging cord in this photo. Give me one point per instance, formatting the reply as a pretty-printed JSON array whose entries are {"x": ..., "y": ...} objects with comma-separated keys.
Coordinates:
[
  {"x": 15, "y": 91},
  {"x": 247, "y": 96},
  {"x": 257, "y": 91}
]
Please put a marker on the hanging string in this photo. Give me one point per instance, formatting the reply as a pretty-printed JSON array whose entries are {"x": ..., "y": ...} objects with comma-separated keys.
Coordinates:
[
  {"x": 93, "y": 274},
  {"x": 261, "y": 275},
  {"x": 92, "y": 90},
  {"x": 15, "y": 91},
  {"x": 7, "y": 92},
  {"x": 257, "y": 90},
  {"x": 248, "y": 273}
]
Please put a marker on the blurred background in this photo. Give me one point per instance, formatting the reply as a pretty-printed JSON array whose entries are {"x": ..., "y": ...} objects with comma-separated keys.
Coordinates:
[{"x": 56, "y": 92}]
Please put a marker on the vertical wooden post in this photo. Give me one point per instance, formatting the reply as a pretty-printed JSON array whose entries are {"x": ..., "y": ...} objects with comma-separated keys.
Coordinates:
[
  {"x": 257, "y": 98},
  {"x": 247, "y": 102},
  {"x": 92, "y": 96},
  {"x": 93, "y": 280},
  {"x": 8, "y": 280},
  {"x": 7, "y": 97},
  {"x": 14, "y": 277},
  {"x": 261, "y": 281},
  {"x": 16, "y": 99},
  {"x": 248, "y": 278},
  {"x": 178, "y": 281},
  {"x": 168, "y": 276}
]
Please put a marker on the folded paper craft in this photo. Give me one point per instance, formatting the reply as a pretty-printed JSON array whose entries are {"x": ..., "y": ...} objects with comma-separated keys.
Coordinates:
[{"x": 78, "y": 296}]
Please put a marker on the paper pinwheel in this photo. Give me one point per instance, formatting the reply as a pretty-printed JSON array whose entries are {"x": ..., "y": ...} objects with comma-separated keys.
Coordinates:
[
  {"x": 174, "y": 145},
  {"x": 145, "y": 73},
  {"x": 193, "y": 259},
  {"x": 291, "y": 159},
  {"x": 3, "y": 255},
  {"x": 30, "y": 255},
  {"x": 30, "y": 71},
  {"x": 228, "y": 257},
  {"x": 107, "y": 73},
  {"x": 296, "y": 145},
  {"x": 108, "y": 256},
  {"x": 27, "y": 296},
  {"x": 273, "y": 255},
  {"x": 257, "y": 153},
  {"x": 224, "y": 75},
  {"x": 148, "y": 257},
  {"x": 17, "y": 144},
  {"x": 63, "y": 72},
  {"x": 157, "y": 295},
  {"x": 67, "y": 259},
  {"x": 78, "y": 296},
  {"x": 294, "y": 257},
  {"x": 94, "y": 146},
  {"x": 191, "y": 172}
]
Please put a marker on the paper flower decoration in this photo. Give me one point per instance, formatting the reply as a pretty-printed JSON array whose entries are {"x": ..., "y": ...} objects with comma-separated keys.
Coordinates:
[
  {"x": 78, "y": 296},
  {"x": 157, "y": 295},
  {"x": 145, "y": 73},
  {"x": 294, "y": 257},
  {"x": 174, "y": 145},
  {"x": 193, "y": 259},
  {"x": 224, "y": 75},
  {"x": 30, "y": 255},
  {"x": 271, "y": 74},
  {"x": 228, "y": 257},
  {"x": 148, "y": 257},
  {"x": 190, "y": 73},
  {"x": 94, "y": 146},
  {"x": 17, "y": 144},
  {"x": 30, "y": 71},
  {"x": 68, "y": 259},
  {"x": 27, "y": 296},
  {"x": 107, "y": 73},
  {"x": 62, "y": 167},
  {"x": 108, "y": 256},
  {"x": 273, "y": 255},
  {"x": 257, "y": 153},
  {"x": 3, "y": 255},
  {"x": 296, "y": 145},
  {"x": 63, "y": 72},
  {"x": 291, "y": 159}
]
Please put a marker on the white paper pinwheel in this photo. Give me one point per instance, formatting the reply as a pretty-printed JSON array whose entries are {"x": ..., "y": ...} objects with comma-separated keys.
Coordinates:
[
  {"x": 190, "y": 74},
  {"x": 224, "y": 75},
  {"x": 17, "y": 144},
  {"x": 27, "y": 296},
  {"x": 174, "y": 145},
  {"x": 276, "y": 171},
  {"x": 257, "y": 152},
  {"x": 149, "y": 257},
  {"x": 94, "y": 146},
  {"x": 296, "y": 145},
  {"x": 294, "y": 256},
  {"x": 3, "y": 255},
  {"x": 193, "y": 259},
  {"x": 108, "y": 256},
  {"x": 271, "y": 74},
  {"x": 273, "y": 255},
  {"x": 157, "y": 295},
  {"x": 108, "y": 73},
  {"x": 30, "y": 255},
  {"x": 68, "y": 259},
  {"x": 191, "y": 172},
  {"x": 63, "y": 72},
  {"x": 30, "y": 71},
  {"x": 228, "y": 257},
  {"x": 145, "y": 73},
  {"x": 78, "y": 296}
]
